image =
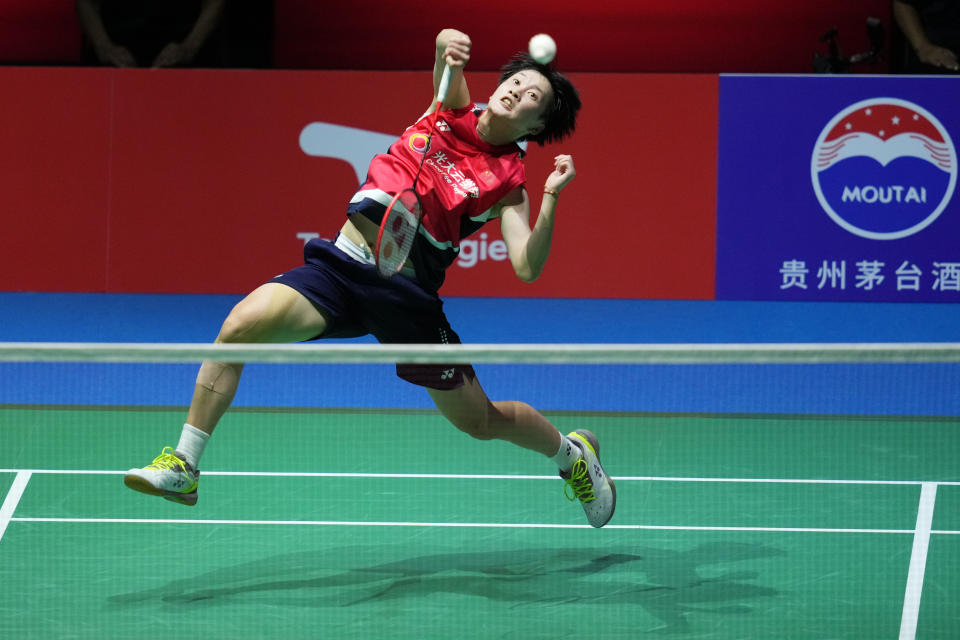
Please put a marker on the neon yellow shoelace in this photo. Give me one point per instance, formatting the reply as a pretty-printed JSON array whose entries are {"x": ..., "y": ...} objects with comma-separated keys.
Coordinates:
[
  {"x": 579, "y": 482},
  {"x": 166, "y": 460}
]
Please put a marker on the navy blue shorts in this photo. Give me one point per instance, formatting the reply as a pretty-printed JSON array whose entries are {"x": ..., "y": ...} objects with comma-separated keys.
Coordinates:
[{"x": 355, "y": 301}]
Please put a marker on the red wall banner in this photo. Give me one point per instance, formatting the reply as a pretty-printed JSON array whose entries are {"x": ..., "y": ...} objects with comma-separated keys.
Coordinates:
[{"x": 197, "y": 181}]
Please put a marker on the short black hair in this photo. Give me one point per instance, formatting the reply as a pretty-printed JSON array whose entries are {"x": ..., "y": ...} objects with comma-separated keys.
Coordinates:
[{"x": 560, "y": 118}]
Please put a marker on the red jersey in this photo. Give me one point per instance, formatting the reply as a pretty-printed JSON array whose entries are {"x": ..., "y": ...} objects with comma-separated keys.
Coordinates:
[{"x": 463, "y": 177}]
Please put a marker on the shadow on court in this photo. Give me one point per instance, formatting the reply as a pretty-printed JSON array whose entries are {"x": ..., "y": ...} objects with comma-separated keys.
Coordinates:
[{"x": 665, "y": 583}]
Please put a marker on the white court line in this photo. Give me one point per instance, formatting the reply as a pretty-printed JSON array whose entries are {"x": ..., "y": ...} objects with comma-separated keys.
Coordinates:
[
  {"x": 12, "y": 500},
  {"x": 478, "y": 476},
  {"x": 918, "y": 561},
  {"x": 467, "y": 525}
]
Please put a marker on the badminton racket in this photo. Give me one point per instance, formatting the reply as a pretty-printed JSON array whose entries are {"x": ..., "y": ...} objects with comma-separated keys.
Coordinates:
[{"x": 401, "y": 221}]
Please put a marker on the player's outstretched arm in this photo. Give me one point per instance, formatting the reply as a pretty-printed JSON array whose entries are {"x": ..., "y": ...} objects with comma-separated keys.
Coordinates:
[
  {"x": 453, "y": 48},
  {"x": 529, "y": 248}
]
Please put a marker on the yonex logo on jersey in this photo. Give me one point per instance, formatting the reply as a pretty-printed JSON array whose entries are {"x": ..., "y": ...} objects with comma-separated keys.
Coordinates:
[
  {"x": 442, "y": 125},
  {"x": 884, "y": 168}
]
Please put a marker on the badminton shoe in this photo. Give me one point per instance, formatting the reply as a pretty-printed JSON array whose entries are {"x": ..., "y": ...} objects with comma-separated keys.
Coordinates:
[
  {"x": 169, "y": 476},
  {"x": 588, "y": 482}
]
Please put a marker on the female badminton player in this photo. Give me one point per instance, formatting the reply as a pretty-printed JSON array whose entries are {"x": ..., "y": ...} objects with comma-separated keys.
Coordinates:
[{"x": 472, "y": 173}]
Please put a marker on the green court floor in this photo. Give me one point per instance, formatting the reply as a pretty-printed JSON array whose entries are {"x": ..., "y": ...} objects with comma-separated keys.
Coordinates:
[{"x": 372, "y": 524}]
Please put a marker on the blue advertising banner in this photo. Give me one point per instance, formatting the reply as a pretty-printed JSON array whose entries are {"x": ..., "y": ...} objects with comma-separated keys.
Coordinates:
[{"x": 838, "y": 188}]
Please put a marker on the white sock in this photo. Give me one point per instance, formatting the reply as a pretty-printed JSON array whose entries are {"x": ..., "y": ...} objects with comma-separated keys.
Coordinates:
[
  {"x": 567, "y": 454},
  {"x": 192, "y": 443}
]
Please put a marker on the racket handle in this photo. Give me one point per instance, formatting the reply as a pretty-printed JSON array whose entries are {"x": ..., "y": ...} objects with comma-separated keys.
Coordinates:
[{"x": 444, "y": 85}]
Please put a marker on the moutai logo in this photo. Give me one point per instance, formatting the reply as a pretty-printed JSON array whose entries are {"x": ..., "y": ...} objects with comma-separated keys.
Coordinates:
[{"x": 884, "y": 168}]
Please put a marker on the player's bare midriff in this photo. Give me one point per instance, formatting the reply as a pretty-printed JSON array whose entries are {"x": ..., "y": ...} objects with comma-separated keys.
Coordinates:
[{"x": 361, "y": 232}]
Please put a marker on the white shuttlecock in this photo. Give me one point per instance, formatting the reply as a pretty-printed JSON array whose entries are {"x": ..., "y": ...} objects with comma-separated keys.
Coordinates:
[{"x": 542, "y": 48}]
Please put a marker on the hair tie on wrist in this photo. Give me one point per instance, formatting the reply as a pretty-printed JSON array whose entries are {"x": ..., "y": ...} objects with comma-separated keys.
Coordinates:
[{"x": 552, "y": 192}]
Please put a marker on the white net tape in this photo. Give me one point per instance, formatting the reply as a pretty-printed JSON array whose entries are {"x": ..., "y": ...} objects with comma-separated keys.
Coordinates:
[{"x": 333, "y": 353}]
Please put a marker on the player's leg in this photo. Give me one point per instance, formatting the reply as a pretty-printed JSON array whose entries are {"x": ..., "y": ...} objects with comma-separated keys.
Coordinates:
[
  {"x": 271, "y": 313},
  {"x": 471, "y": 411},
  {"x": 577, "y": 454}
]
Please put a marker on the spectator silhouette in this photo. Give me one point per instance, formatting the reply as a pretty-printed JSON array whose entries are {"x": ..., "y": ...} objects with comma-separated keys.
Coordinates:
[{"x": 151, "y": 33}]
